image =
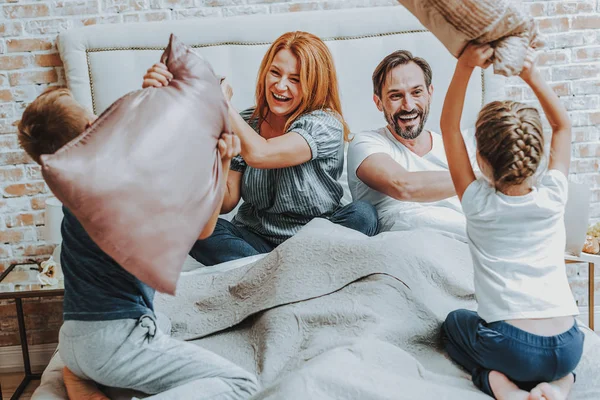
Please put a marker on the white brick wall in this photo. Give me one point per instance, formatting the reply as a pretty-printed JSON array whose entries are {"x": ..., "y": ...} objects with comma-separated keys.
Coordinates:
[{"x": 29, "y": 63}]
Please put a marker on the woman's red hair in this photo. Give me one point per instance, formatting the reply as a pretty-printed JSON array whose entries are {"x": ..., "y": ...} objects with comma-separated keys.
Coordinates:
[{"x": 317, "y": 77}]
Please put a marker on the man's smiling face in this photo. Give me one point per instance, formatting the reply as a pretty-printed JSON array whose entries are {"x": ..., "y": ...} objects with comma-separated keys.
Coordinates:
[{"x": 405, "y": 100}]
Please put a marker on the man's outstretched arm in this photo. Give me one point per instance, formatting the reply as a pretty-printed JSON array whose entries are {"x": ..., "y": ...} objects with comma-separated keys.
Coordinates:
[{"x": 380, "y": 172}]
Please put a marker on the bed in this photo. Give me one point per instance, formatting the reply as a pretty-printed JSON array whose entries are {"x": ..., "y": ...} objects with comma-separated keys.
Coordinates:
[{"x": 331, "y": 313}]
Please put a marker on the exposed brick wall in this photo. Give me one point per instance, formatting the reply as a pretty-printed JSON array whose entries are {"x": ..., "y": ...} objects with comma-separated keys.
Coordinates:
[
  {"x": 43, "y": 318},
  {"x": 571, "y": 60},
  {"x": 29, "y": 63}
]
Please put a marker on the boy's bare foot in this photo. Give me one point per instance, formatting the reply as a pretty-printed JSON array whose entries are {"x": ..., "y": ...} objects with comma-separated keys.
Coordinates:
[
  {"x": 557, "y": 390},
  {"x": 79, "y": 389},
  {"x": 504, "y": 388}
]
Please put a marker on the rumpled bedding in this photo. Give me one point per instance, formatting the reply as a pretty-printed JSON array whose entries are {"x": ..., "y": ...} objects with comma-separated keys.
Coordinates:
[{"x": 333, "y": 314}]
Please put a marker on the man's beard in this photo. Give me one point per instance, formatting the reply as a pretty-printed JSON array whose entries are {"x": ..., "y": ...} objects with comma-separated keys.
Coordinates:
[{"x": 411, "y": 132}]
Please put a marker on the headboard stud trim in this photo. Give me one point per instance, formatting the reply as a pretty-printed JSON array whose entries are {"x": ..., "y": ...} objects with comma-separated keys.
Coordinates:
[{"x": 339, "y": 38}]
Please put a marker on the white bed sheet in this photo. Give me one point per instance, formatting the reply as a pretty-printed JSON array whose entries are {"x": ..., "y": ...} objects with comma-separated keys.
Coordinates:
[{"x": 193, "y": 267}]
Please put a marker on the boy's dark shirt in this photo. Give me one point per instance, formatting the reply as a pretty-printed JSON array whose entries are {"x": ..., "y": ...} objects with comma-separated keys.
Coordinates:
[{"x": 96, "y": 287}]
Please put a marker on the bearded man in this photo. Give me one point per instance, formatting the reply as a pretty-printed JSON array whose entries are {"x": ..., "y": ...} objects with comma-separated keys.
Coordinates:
[{"x": 401, "y": 168}]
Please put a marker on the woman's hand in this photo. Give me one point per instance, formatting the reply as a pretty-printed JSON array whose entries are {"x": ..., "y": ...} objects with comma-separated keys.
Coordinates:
[
  {"x": 227, "y": 90},
  {"x": 476, "y": 55},
  {"x": 229, "y": 146},
  {"x": 157, "y": 76}
]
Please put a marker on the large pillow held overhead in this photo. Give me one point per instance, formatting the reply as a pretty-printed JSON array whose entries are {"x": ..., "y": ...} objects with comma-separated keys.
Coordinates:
[
  {"x": 143, "y": 180},
  {"x": 501, "y": 23}
]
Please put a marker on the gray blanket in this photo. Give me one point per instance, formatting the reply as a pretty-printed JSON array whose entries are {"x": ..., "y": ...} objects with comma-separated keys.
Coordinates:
[{"x": 333, "y": 314}]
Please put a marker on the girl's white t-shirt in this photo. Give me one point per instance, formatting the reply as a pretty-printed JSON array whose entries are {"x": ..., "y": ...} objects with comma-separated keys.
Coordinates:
[{"x": 517, "y": 244}]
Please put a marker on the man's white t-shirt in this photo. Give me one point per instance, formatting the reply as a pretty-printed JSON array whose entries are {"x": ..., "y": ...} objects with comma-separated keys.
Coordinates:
[
  {"x": 517, "y": 244},
  {"x": 444, "y": 216}
]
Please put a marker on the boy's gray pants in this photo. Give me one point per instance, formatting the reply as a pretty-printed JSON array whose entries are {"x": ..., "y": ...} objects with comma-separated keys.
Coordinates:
[{"x": 136, "y": 354}]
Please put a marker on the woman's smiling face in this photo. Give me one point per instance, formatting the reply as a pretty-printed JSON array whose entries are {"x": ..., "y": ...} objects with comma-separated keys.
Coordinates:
[{"x": 282, "y": 84}]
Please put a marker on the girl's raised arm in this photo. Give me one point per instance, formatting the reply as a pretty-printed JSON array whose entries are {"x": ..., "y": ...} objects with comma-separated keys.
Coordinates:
[{"x": 454, "y": 145}]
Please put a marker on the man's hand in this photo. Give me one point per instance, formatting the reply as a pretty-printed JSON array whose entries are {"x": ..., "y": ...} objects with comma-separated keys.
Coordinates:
[
  {"x": 229, "y": 146},
  {"x": 476, "y": 55}
]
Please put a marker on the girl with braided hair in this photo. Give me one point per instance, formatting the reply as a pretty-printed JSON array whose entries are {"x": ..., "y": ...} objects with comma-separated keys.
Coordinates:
[{"x": 523, "y": 341}]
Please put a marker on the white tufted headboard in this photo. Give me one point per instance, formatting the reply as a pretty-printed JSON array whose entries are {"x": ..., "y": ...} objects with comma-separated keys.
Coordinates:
[{"x": 103, "y": 62}]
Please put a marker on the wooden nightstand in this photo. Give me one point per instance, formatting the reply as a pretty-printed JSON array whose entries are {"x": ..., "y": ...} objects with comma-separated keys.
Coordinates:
[
  {"x": 17, "y": 284},
  {"x": 590, "y": 259}
]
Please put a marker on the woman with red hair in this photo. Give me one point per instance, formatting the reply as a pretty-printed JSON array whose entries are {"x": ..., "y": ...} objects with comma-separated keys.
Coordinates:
[{"x": 292, "y": 153}]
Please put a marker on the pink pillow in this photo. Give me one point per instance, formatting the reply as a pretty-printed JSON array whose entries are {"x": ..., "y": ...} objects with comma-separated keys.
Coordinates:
[{"x": 143, "y": 180}]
